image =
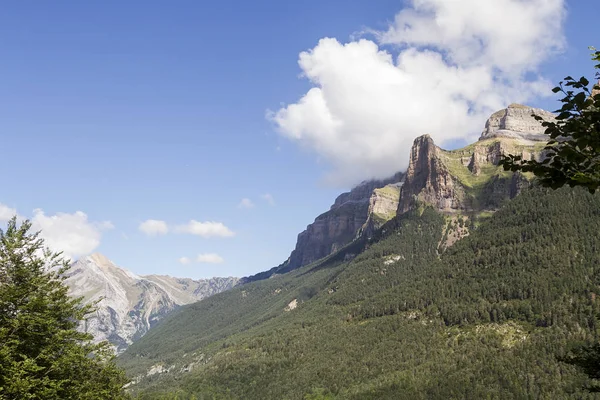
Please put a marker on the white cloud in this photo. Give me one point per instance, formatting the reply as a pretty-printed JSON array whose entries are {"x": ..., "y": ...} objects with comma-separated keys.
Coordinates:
[
  {"x": 184, "y": 260},
  {"x": 210, "y": 258},
  {"x": 456, "y": 63},
  {"x": 205, "y": 229},
  {"x": 153, "y": 227},
  {"x": 6, "y": 212},
  {"x": 268, "y": 198},
  {"x": 72, "y": 234},
  {"x": 246, "y": 203}
]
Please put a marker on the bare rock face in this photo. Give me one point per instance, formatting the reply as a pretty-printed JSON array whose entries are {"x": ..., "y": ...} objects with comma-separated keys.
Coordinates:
[
  {"x": 468, "y": 179},
  {"x": 364, "y": 208},
  {"x": 129, "y": 304},
  {"x": 429, "y": 180},
  {"x": 383, "y": 205},
  {"x": 516, "y": 121}
]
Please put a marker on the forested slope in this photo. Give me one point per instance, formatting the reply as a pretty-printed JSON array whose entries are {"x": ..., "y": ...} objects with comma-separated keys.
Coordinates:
[{"x": 488, "y": 318}]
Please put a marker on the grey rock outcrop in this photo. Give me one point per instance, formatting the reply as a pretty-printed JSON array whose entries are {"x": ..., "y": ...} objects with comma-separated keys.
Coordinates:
[
  {"x": 383, "y": 206},
  {"x": 516, "y": 121},
  {"x": 365, "y": 207},
  {"x": 429, "y": 180},
  {"x": 128, "y": 304}
]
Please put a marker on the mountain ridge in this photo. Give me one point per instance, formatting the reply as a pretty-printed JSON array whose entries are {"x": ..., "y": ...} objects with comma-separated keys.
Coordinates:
[{"x": 128, "y": 305}]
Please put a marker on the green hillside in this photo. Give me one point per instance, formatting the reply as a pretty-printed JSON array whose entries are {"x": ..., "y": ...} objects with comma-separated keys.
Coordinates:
[{"x": 487, "y": 319}]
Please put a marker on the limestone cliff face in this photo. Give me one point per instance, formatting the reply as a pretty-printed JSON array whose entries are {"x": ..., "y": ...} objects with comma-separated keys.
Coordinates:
[
  {"x": 516, "y": 121},
  {"x": 383, "y": 206},
  {"x": 470, "y": 179},
  {"x": 365, "y": 207},
  {"x": 130, "y": 304},
  {"x": 428, "y": 179}
]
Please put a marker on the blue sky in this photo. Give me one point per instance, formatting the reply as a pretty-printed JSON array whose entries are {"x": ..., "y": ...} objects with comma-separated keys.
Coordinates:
[{"x": 136, "y": 111}]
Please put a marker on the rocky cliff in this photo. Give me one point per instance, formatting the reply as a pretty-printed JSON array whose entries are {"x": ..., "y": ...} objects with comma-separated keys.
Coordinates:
[
  {"x": 367, "y": 206},
  {"x": 470, "y": 179},
  {"x": 129, "y": 305}
]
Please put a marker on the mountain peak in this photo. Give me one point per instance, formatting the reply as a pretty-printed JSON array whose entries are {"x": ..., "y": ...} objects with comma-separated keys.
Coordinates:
[
  {"x": 100, "y": 259},
  {"x": 131, "y": 304},
  {"x": 517, "y": 122}
]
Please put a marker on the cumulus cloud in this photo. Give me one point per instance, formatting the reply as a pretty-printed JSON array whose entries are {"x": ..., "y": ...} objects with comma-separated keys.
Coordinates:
[
  {"x": 440, "y": 68},
  {"x": 184, "y": 260},
  {"x": 153, "y": 227},
  {"x": 210, "y": 258},
  {"x": 205, "y": 229},
  {"x": 72, "y": 234},
  {"x": 246, "y": 203},
  {"x": 268, "y": 198}
]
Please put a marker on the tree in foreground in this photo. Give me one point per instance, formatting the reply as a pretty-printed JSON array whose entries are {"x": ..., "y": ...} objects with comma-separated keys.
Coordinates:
[
  {"x": 42, "y": 354},
  {"x": 573, "y": 151}
]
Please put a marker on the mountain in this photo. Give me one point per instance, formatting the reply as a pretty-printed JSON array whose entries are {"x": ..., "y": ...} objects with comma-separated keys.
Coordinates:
[
  {"x": 476, "y": 288},
  {"x": 468, "y": 179},
  {"x": 130, "y": 304}
]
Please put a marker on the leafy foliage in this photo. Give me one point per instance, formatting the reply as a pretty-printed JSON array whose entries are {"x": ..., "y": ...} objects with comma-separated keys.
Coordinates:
[
  {"x": 42, "y": 355},
  {"x": 573, "y": 152},
  {"x": 488, "y": 318}
]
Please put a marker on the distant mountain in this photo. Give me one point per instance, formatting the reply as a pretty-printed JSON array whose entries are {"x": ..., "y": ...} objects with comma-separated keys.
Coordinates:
[{"x": 132, "y": 304}]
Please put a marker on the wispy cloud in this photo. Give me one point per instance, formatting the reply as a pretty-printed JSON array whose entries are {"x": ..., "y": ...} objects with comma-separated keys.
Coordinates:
[
  {"x": 246, "y": 203},
  {"x": 206, "y": 229},
  {"x": 154, "y": 227},
  {"x": 442, "y": 67},
  {"x": 105, "y": 225},
  {"x": 184, "y": 260},
  {"x": 210, "y": 258},
  {"x": 268, "y": 198}
]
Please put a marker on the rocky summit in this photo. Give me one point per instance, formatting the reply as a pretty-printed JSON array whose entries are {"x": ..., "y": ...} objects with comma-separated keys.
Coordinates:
[
  {"x": 128, "y": 305},
  {"x": 517, "y": 121}
]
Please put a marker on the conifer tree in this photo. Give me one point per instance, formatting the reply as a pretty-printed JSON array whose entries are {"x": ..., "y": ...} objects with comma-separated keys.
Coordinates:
[{"x": 42, "y": 354}]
